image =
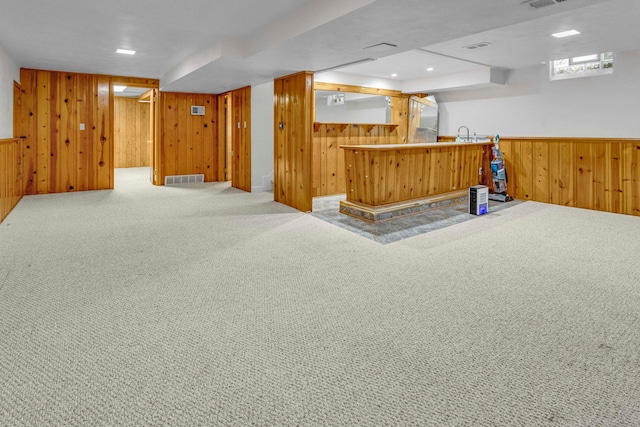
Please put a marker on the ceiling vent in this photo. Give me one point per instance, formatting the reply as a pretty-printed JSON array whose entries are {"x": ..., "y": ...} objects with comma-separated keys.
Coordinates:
[
  {"x": 380, "y": 47},
  {"x": 537, "y": 4},
  {"x": 476, "y": 46}
]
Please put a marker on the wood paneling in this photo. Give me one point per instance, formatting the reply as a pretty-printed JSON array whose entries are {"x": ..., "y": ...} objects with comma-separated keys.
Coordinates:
[
  {"x": 400, "y": 117},
  {"x": 293, "y": 124},
  {"x": 328, "y": 157},
  {"x": 224, "y": 146},
  {"x": 11, "y": 183},
  {"x": 356, "y": 89},
  {"x": 386, "y": 174},
  {"x": 188, "y": 143},
  {"x": 307, "y": 159},
  {"x": 59, "y": 155},
  {"x": 591, "y": 173},
  {"x": 25, "y": 127},
  {"x": 131, "y": 133},
  {"x": 241, "y": 139}
]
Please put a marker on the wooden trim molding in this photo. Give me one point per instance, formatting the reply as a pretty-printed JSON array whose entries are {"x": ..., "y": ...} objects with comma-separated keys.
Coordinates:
[{"x": 356, "y": 89}]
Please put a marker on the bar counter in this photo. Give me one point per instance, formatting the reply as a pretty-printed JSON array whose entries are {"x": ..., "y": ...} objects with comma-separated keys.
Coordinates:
[{"x": 402, "y": 178}]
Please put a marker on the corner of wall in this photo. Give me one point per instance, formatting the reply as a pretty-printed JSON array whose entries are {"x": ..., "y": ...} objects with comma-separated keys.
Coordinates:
[
  {"x": 9, "y": 72},
  {"x": 266, "y": 186}
]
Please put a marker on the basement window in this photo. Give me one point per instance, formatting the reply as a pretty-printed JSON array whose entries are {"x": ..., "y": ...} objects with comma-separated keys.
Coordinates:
[{"x": 595, "y": 64}]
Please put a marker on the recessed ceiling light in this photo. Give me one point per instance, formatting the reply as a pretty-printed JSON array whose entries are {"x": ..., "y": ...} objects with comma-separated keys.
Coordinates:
[
  {"x": 126, "y": 51},
  {"x": 117, "y": 88},
  {"x": 430, "y": 69},
  {"x": 565, "y": 34},
  {"x": 394, "y": 75}
]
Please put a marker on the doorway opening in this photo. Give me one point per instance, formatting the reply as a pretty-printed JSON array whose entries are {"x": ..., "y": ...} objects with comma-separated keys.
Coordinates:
[{"x": 133, "y": 129}]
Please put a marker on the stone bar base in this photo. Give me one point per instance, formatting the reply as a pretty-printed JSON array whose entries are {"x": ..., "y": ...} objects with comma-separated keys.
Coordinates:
[{"x": 371, "y": 213}]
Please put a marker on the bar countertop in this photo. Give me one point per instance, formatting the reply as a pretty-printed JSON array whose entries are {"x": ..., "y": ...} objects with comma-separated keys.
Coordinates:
[{"x": 386, "y": 147}]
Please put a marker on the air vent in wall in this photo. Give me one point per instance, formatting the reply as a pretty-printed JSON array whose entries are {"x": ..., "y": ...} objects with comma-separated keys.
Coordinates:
[
  {"x": 197, "y": 110},
  {"x": 537, "y": 4},
  {"x": 183, "y": 179}
]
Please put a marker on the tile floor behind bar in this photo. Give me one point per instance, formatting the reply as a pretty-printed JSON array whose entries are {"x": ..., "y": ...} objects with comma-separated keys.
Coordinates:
[{"x": 384, "y": 232}]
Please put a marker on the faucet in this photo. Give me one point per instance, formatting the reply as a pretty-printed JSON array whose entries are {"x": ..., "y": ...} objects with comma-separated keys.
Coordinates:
[{"x": 458, "y": 136}]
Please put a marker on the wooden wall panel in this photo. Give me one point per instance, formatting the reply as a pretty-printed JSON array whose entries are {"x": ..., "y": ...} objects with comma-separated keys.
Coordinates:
[
  {"x": 188, "y": 143},
  {"x": 44, "y": 146},
  {"x": 293, "y": 124},
  {"x": 524, "y": 163},
  {"x": 590, "y": 173},
  {"x": 64, "y": 172},
  {"x": 601, "y": 166},
  {"x": 328, "y": 157},
  {"x": 585, "y": 188},
  {"x": 631, "y": 179},
  {"x": 131, "y": 133},
  {"x": 101, "y": 177},
  {"x": 25, "y": 122},
  {"x": 613, "y": 162},
  {"x": 541, "y": 177},
  {"x": 59, "y": 156},
  {"x": 84, "y": 156},
  {"x": 241, "y": 138},
  {"x": 11, "y": 177},
  {"x": 400, "y": 116}
]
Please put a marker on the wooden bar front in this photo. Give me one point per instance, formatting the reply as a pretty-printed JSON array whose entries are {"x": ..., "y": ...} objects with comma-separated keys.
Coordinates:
[{"x": 393, "y": 174}]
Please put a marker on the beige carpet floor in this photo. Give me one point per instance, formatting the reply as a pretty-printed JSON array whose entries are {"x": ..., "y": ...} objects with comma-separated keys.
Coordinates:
[{"x": 203, "y": 305}]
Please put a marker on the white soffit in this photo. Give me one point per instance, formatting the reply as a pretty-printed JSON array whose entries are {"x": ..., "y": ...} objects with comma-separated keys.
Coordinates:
[
  {"x": 411, "y": 65},
  {"x": 479, "y": 78},
  {"x": 312, "y": 14}
]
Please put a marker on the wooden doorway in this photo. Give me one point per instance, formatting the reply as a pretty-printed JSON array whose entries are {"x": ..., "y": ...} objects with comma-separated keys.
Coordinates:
[
  {"x": 134, "y": 125},
  {"x": 132, "y": 133}
]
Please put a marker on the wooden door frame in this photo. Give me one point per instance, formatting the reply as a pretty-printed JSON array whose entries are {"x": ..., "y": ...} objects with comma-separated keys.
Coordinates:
[
  {"x": 115, "y": 81},
  {"x": 152, "y": 96},
  {"x": 225, "y": 136}
]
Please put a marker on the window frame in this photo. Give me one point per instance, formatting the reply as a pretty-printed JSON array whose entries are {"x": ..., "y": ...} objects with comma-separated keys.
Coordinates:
[{"x": 601, "y": 69}]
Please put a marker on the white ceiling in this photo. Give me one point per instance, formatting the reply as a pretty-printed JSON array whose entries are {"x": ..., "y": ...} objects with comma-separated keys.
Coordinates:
[{"x": 212, "y": 46}]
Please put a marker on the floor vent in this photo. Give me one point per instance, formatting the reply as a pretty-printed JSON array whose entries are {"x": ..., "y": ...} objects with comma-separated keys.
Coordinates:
[{"x": 183, "y": 179}]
